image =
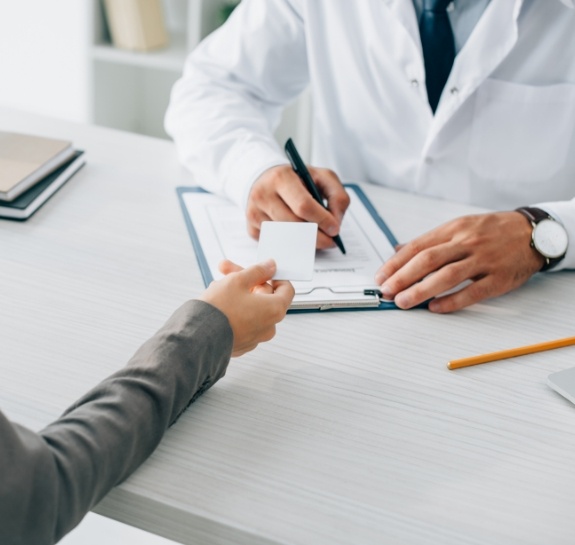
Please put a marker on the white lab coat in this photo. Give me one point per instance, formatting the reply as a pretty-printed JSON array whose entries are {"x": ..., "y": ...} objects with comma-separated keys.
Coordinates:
[{"x": 503, "y": 135}]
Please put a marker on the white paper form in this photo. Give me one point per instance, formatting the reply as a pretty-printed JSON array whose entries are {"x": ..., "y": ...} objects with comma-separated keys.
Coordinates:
[{"x": 338, "y": 280}]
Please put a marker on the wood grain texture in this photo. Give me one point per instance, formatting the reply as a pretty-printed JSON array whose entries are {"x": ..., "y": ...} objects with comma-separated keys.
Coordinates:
[{"x": 347, "y": 428}]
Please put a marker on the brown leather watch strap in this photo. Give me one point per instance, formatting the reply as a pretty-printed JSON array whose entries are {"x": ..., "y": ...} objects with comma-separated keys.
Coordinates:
[{"x": 535, "y": 215}]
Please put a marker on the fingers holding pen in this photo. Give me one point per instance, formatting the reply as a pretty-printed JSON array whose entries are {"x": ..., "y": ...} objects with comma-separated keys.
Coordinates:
[
  {"x": 280, "y": 195},
  {"x": 332, "y": 189}
]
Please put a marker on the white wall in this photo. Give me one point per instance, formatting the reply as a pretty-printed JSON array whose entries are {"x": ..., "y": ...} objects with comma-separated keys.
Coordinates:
[{"x": 43, "y": 57}]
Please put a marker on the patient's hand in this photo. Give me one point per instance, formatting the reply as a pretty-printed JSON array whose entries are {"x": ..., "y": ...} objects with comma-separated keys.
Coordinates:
[{"x": 252, "y": 302}]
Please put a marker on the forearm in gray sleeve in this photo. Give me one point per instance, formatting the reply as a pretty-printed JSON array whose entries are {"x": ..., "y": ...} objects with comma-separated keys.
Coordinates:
[{"x": 50, "y": 480}]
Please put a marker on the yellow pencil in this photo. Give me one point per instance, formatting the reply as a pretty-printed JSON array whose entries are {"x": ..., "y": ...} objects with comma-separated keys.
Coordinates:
[{"x": 510, "y": 353}]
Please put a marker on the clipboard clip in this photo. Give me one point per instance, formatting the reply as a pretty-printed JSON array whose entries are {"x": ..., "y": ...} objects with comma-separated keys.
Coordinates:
[{"x": 373, "y": 292}]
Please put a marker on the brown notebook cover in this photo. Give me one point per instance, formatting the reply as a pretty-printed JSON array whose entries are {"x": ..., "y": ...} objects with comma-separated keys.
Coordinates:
[{"x": 26, "y": 159}]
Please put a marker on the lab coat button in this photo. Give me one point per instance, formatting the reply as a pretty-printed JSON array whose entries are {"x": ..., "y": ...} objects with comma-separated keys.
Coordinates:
[
  {"x": 414, "y": 83},
  {"x": 454, "y": 91}
]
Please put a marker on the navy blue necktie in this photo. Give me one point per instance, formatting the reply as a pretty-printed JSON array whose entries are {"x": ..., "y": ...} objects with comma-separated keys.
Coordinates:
[{"x": 438, "y": 47}]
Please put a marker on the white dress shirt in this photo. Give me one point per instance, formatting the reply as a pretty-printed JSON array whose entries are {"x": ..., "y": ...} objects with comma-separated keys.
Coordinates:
[{"x": 503, "y": 134}]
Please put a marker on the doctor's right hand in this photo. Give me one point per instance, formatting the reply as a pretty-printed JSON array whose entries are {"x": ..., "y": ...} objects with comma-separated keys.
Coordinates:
[{"x": 279, "y": 195}]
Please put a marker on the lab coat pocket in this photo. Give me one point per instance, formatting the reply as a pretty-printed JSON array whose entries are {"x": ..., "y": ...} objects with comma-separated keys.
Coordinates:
[{"x": 521, "y": 132}]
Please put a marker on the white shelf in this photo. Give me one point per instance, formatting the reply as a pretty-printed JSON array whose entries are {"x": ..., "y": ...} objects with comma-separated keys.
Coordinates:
[
  {"x": 130, "y": 90},
  {"x": 170, "y": 58}
]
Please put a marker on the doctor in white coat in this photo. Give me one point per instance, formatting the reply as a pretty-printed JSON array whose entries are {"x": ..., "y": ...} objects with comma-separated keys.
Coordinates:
[{"x": 502, "y": 135}]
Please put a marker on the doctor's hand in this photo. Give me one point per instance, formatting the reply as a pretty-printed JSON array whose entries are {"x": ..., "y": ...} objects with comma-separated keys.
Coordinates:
[
  {"x": 491, "y": 250},
  {"x": 252, "y": 302},
  {"x": 279, "y": 195}
]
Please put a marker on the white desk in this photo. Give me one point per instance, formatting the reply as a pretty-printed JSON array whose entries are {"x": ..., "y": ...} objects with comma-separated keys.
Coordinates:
[{"x": 347, "y": 428}]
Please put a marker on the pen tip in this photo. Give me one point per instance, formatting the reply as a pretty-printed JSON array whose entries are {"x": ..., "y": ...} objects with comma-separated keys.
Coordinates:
[{"x": 339, "y": 243}]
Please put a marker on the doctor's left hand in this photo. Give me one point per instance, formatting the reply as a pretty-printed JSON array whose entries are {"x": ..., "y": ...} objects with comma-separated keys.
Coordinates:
[{"x": 491, "y": 250}]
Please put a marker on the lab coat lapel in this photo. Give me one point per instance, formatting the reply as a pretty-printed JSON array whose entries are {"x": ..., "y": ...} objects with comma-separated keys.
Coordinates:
[
  {"x": 488, "y": 45},
  {"x": 404, "y": 12}
]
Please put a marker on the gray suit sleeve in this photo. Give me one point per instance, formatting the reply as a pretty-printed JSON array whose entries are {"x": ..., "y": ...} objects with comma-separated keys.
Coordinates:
[{"x": 51, "y": 479}]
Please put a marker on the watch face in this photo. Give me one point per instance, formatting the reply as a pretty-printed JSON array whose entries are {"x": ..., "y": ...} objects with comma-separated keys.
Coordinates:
[{"x": 550, "y": 238}]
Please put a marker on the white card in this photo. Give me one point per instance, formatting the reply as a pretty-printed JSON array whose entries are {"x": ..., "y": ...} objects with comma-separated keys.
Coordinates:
[
  {"x": 563, "y": 382},
  {"x": 291, "y": 245}
]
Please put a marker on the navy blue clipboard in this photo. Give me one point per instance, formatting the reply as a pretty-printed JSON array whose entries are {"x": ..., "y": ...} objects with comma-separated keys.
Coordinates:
[{"x": 207, "y": 274}]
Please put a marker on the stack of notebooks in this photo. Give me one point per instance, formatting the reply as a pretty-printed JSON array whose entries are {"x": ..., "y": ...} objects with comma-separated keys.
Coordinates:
[{"x": 32, "y": 169}]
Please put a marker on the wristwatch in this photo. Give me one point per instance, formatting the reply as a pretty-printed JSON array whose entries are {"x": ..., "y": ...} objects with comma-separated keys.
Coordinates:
[{"x": 549, "y": 237}]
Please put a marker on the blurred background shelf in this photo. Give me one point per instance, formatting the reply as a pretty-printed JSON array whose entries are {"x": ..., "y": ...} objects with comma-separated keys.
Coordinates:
[
  {"x": 171, "y": 58},
  {"x": 130, "y": 90},
  {"x": 60, "y": 61}
]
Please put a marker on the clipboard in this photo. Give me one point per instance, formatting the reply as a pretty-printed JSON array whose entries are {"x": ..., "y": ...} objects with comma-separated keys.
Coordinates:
[{"x": 217, "y": 229}]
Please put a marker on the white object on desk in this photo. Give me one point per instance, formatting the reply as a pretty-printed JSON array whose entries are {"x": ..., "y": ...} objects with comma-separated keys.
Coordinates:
[
  {"x": 563, "y": 382},
  {"x": 291, "y": 245}
]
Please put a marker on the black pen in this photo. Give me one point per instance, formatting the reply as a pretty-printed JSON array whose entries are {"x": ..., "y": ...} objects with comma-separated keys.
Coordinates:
[{"x": 301, "y": 170}]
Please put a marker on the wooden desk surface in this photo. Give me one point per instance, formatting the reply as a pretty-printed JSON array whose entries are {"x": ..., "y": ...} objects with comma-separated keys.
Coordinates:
[{"x": 347, "y": 428}]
